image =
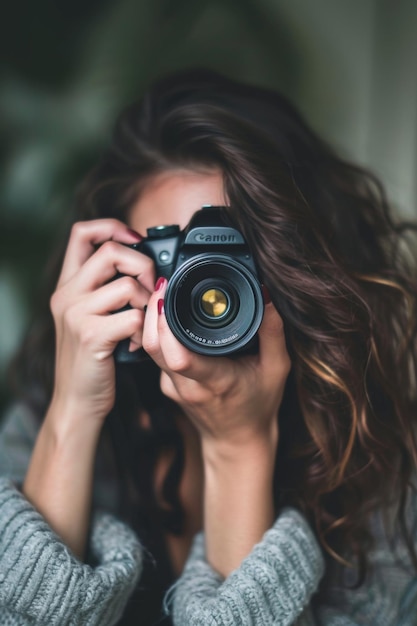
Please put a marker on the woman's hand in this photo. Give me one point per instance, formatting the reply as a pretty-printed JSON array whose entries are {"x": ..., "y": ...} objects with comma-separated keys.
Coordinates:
[
  {"x": 230, "y": 401},
  {"x": 59, "y": 478},
  {"x": 86, "y": 332},
  {"x": 234, "y": 405}
]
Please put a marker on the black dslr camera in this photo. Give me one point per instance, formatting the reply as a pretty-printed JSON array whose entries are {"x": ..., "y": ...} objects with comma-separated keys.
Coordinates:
[{"x": 213, "y": 302}]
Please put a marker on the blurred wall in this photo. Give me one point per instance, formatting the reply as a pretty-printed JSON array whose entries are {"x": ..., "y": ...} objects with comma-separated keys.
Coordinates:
[{"x": 67, "y": 69}]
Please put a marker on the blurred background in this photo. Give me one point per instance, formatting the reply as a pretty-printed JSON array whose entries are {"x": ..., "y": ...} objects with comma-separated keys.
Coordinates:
[{"x": 67, "y": 68}]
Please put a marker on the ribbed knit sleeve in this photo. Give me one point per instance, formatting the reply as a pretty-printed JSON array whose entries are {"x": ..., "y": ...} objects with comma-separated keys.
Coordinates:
[
  {"x": 42, "y": 583},
  {"x": 273, "y": 585}
]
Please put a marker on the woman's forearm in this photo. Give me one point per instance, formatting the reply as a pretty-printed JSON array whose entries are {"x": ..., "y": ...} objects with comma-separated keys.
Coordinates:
[
  {"x": 60, "y": 476},
  {"x": 238, "y": 502}
]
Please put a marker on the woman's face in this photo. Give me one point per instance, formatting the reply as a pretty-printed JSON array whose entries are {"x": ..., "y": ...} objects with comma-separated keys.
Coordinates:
[{"x": 172, "y": 197}]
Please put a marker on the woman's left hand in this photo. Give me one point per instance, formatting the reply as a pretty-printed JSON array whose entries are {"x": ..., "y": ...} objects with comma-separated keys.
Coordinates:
[
  {"x": 229, "y": 400},
  {"x": 233, "y": 403}
]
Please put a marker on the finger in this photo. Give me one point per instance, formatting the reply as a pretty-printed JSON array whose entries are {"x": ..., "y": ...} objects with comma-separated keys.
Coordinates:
[
  {"x": 189, "y": 364},
  {"x": 114, "y": 296},
  {"x": 123, "y": 324},
  {"x": 86, "y": 236},
  {"x": 273, "y": 353},
  {"x": 103, "y": 333},
  {"x": 183, "y": 371},
  {"x": 178, "y": 358},
  {"x": 112, "y": 258},
  {"x": 150, "y": 340},
  {"x": 157, "y": 344},
  {"x": 133, "y": 323}
]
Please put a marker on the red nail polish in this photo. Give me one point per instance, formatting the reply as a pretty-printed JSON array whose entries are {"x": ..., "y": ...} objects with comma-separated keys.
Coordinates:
[
  {"x": 266, "y": 294},
  {"x": 134, "y": 234},
  {"x": 160, "y": 283},
  {"x": 160, "y": 306}
]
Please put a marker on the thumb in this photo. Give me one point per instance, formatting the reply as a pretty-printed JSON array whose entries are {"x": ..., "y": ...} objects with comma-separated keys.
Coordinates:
[{"x": 272, "y": 345}]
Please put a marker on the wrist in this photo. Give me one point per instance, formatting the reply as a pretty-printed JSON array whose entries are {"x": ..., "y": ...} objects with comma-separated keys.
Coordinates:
[
  {"x": 230, "y": 469},
  {"x": 67, "y": 423},
  {"x": 60, "y": 476},
  {"x": 245, "y": 448},
  {"x": 238, "y": 498}
]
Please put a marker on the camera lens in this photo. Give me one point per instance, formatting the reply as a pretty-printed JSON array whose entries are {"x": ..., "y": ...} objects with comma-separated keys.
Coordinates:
[{"x": 213, "y": 304}]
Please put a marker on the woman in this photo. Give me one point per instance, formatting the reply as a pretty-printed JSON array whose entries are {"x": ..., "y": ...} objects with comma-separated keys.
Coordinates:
[{"x": 295, "y": 461}]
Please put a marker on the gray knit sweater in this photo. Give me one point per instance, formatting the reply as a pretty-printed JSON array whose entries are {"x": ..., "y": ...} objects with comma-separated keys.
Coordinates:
[{"x": 42, "y": 583}]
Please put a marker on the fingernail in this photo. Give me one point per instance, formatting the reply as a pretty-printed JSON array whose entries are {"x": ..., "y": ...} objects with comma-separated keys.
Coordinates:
[
  {"x": 266, "y": 294},
  {"x": 134, "y": 234},
  {"x": 160, "y": 283},
  {"x": 160, "y": 306}
]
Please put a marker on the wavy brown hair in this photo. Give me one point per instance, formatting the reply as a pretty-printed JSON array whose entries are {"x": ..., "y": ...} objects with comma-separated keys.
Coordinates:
[{"x": 340, "y": 269}]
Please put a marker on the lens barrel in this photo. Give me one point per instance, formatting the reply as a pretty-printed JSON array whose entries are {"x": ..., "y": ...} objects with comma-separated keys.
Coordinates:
[{"x": 213, "y": 304}]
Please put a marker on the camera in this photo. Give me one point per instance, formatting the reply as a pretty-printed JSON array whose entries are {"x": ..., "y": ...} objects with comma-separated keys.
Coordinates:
[{"x": 213, "y": 301}]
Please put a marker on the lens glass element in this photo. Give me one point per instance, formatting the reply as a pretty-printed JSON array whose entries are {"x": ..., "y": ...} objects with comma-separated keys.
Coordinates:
[{"x": 214, "y": 302}]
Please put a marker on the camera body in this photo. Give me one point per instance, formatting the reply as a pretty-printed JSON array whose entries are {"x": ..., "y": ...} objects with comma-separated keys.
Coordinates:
[{"x": 213, "y": 301}]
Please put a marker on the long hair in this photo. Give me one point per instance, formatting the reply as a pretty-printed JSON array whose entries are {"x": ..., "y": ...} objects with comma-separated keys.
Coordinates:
[{"x": 341, "y": 272}]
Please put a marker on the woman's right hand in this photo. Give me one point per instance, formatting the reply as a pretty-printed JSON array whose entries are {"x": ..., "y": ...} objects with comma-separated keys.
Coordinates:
[
  {"x": 87, "y": 331},
  {"x": 60, "y": 475}
]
